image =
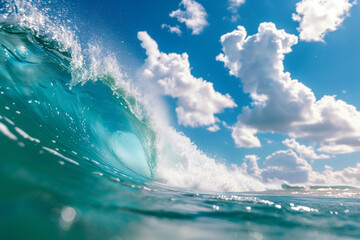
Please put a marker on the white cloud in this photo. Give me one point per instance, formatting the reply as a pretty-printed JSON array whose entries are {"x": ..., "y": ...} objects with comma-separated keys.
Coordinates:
[
  {"x": 283, "y": 166},
  {"x": 251, "y": 167},
  {"x": 213, "y": 128},
  {"x": 196, "y": 98},
  {"x": 337, "y": 129},
  {"x": 194, "y": 16},
  {"x": 348, "y": 176},
  {"x": 149, "y": 44},
  {"x": 233, "y": 7},
  {"x": 235, "y": 3},
  {"x": 286, "y": 166},
  {"x": 244, "y": 136},
  {"x": 172, "y": 29},
  {"x": 306, "y": 152},
  {"x": 318, "y": 17},
  {"x": 279, "y": 103}
]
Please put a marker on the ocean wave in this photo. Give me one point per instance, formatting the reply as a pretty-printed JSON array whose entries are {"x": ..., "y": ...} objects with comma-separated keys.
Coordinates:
[{"x": 81, "y": 100}]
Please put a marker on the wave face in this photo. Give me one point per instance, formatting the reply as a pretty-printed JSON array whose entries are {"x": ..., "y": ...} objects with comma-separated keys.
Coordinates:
[
  {"x": 83, "y": 157},
  {"x": 94, "y": 121}
]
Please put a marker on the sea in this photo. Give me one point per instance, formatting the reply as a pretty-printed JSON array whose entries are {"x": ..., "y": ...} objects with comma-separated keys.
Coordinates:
[{"x": 83, "y": 157}]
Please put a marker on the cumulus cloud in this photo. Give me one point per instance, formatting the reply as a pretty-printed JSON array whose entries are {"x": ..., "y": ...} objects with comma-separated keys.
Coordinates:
[
  {"x": 348, "y": 176},
  {"x": 318, "y": 17},
  {"x": 251, "y": 166},
  {"x": 280, "y": 103},
  {"x": 286, "y": 166},
  {"x": 307, "y": 152},
  {"x": 197, "y": 101},
  {"x": 244, "y": 136},
  {"x": 233, "y": 7},
  {"x": 194, "y": 16},
  {"x": 172, "y": 29},
  {"x": 283, "y": 165}
]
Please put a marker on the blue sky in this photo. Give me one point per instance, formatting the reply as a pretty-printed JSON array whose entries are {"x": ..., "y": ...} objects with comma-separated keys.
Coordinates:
[{"x": 328, "y": 66}]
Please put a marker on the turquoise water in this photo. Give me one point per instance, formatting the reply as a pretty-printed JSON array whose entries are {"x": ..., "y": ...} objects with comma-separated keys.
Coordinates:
[{"x": 79, "y": 160}]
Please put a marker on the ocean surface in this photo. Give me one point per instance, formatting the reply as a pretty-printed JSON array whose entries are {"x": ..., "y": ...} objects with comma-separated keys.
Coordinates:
[{"x": 81, "y": 157}]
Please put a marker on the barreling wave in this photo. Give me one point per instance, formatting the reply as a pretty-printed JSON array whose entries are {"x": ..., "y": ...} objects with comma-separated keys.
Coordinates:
[
  {"x": 80, "y": 107},
  {"x": 48, "y": 94}
]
